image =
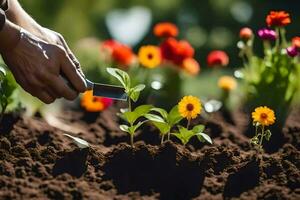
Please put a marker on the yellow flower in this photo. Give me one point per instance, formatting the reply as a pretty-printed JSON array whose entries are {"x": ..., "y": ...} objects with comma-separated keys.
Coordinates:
[
  {"x": 264, "y": 116},
  {"x": 227, "y": 83},
  {"x": 149, "y": 56},
  {"x": 189, "y": 107}
]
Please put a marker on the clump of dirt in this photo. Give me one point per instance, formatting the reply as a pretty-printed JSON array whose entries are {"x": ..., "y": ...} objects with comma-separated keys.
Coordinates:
[{"x": 38, "y": 162}]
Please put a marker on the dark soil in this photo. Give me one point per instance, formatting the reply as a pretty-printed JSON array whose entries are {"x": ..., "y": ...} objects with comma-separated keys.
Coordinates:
[{"x": 38, "y": 162}]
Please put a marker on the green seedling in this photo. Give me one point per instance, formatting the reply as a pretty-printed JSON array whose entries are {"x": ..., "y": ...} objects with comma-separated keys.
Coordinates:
[
  {"x": 164, "y": 121},
  {"x": 7, "y": 87},
  {"x": 132, "y": 118},
  {"x": 133, "y": 95},
  {"x": 261, "y": 133},
  {"x": 132, "y": 92},
  {"x": 185, "y": 135}
]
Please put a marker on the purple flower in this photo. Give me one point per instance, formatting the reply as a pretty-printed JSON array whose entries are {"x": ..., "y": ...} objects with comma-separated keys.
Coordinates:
[
  {"x": 292, "y": 51},
  {"x": 267, "y": 34}
]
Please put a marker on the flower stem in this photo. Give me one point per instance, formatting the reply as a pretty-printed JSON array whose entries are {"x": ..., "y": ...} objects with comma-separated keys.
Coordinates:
[
  {"x": 189, "y": 123},
  {"x": 129, "y": 104},
  {"x": 262, "y": 136}
]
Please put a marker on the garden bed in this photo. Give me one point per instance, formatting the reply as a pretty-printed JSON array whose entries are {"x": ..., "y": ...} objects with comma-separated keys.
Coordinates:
[{"x": 37, "y": 161}]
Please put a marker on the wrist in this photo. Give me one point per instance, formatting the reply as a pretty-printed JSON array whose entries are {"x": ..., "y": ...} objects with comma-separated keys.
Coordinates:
[{"x": 9, "y": 36}]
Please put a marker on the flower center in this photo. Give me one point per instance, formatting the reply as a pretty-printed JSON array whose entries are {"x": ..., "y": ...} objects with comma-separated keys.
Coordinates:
[
  {"x": 190, "y": 107},
  {"x": 150, "y": 56},
  {"x": 263, "y": 115}
]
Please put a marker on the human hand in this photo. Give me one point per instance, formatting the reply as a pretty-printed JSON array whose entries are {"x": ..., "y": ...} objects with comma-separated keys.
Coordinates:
[{"x": 37, "y": 66}]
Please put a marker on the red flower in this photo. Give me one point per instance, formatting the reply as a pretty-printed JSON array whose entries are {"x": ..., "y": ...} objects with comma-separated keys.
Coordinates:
[
  {"x": 278, "y": 18},
  {"x": 165, "y": 29},
  {"x": 120, "y": 53},
  {"x": 246, "y": 33},
  {"x": 296, "y": 42},
  {"x": 176, "y": 51},
  {"x": 217, "y": 58}
]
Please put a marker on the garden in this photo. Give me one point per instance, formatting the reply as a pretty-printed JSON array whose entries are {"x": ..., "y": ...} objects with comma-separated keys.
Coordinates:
[{"x": 184, "y": 127}]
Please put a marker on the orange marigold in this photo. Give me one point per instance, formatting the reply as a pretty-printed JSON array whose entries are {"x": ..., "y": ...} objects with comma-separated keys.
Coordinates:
[
  {"x": 296, "y": 42},
  {"x": 191, "y": 66},
  {"x": 94, "y": 104},
  {"x": 278, "y": 18},
  {"x": 165, "y": 29}
]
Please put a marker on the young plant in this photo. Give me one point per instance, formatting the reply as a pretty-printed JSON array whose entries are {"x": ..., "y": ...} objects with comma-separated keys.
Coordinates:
[
  {"x": 190, "y": 107},
  {"x": 164, "y": 121},
  {"x": 262, "y": 117},
  {"x": 132, "y": 92},
  {"x": 185, "y": 135},
  {"x": 7, "y": 87},
  {"x": 131, "y": 116}
]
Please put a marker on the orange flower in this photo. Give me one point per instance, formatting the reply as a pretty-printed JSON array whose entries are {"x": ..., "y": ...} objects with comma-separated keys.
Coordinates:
[
  {"x": 296, "y": 42},
  {"x": 176, "y": 51},
  {"x": 191, "y": 66},
  {"x": 165, "y": 29},
  {"x": 120, "y": 53},
  {"x": 94, "y": 104},
  {"x": 217, "y": 58},
  {"x": 278, "y": 18},
  {"x": 246, "y": 33}
]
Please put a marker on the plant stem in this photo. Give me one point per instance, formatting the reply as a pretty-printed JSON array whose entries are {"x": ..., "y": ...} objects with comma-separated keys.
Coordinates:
[
  {"x": 162, "y": 139},
  {"x": 188, "y": 124},
  {"x": 262, "y": 136},
  {"x": 3, "y": 111},
  {"x": 129, "y": 104},
  {"x": 169, "y": 135},
  {"x": 131, "y": 140}
]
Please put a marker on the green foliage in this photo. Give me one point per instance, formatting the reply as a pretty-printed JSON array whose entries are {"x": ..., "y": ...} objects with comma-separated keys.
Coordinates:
[
  {"x": 272, "y": 80},
  {"x": 7, "y": 87},
  {"x": 163, "y": 120},
  {"x": 185, "y": 135},
  {"x": 132, "y": 92},
  {"x": 260, "y": 134},
  {"x": 131, "y": 117}
]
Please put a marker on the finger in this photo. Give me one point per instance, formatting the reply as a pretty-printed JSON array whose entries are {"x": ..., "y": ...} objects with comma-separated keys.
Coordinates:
[
  {"x": 72, "y": 56},
  {"x": 59, "y": 87},
  {"x": 75, "y": 78},
  {"x": 52, "y": 93},
  {"x": 45, "y": 97}
]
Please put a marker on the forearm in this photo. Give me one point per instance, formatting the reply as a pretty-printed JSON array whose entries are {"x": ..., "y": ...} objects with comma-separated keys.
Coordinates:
[{"x": 18, "y": 15}]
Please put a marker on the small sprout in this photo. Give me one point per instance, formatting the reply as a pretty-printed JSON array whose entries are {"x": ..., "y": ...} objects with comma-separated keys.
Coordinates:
[
  {"x": 131, "y": 117},
  {"x": 262, "y": 117},
  {"x": 133, "y": 93},
  {"x": 164, "y": 121},
  {"x": 82, "y": 144},
  {"x": 185, "y": 135}
]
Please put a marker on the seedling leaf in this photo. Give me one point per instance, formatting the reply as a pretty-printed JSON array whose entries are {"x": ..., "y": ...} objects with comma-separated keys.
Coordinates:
[
  {"x": 122, "y": 76},
  {"x": 164, "y": 128},
  {"x": 124, "y": 128},
  {"x": 198, "y": 129},
  {"x": 154, "y": 118},
  {"x": 79, "y": 142},
  {"x": 204, "y": 137},
  {"x": 162, "y": 112},
  {"x": 174, "y": 116}
]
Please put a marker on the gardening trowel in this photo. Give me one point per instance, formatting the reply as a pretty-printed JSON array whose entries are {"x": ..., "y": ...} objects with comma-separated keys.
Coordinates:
[{"x": 105, "y": 90}]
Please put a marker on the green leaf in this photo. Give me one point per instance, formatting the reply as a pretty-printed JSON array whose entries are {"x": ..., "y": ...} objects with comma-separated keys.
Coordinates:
[
  {"x": 133, "y": 128},
  {"x": 184, "y": 134},
  {"x": 268, "y": 134},
  {"x": 154, "y": 118},
  {"x": 2, "y": 71},
  {"x": 140, "y": 111},
  {"x": 121, "y": 75},
  {"x": 204, "y": 137},
  {"x": 174, "y": 116},
  {"x": 124, "y": 128},
  {"x": 164, "y": 128},
  {"x": 198, "y": 129},
  {"x": 134, "y": 92},
  {"x": 162, "y": 112}
]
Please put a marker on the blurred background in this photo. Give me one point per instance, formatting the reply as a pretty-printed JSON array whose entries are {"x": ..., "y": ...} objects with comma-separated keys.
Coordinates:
[{"x": 206, "y": 24}]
